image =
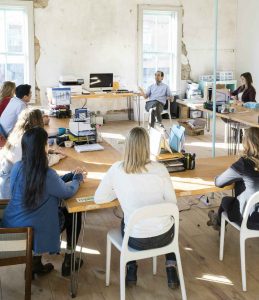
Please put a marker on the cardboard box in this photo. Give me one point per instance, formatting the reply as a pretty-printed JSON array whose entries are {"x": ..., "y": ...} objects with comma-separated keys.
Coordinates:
[{"x": 191, "y": 127}]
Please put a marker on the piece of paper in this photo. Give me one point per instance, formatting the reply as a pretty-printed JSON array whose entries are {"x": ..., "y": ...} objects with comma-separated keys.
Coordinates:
[{"x": 88, "y": 147}]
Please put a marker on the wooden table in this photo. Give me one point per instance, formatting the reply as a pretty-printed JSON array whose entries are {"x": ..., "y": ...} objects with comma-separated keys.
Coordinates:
[
  {"x": 241, "y": 116},
  {"x": 188, "y": 183},
  {"x": 114, "y": 95}
]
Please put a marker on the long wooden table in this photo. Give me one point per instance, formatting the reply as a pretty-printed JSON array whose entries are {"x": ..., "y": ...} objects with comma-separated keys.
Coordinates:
[
  {"x": 187, "y": 183},
  {"x": 113, "y": 95}
]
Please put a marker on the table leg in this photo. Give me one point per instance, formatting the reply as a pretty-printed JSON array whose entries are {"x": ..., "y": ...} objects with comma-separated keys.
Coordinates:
[
  {"x": 75, "y": 275},
  {"x": 129, "y": 107}
]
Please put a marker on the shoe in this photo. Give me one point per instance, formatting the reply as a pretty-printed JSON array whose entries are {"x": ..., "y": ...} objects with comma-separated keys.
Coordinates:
[
  {"x": 131, "y": 277},
  {"x": 66, "y": 265},
  {"x": 40, "y": 269},
  {"x": 172, "y": 277},
  {"x": 213, "y": 220}
]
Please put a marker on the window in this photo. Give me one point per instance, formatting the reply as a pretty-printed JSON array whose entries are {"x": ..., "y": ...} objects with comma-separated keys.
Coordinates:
[
  {"x": 16, "y": 42},
  {"x": 159, "y": 44}
]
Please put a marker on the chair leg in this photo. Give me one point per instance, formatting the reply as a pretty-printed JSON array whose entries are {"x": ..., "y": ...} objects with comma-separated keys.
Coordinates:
[
  {"x": 28, "y": 276},
  {"x": 170, "y": 119},
  {"x": 154, "y": 265},
  {"x": 122, "y": 278},
  {"x": 222, "y": 237},
  {"x": 243, "y": 262},
  {"x": 108, "y": 261},
  {"x": 180, "y": 273}
]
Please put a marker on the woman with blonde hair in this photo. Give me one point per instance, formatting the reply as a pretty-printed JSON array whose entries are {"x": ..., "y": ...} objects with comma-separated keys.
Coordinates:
[
  {"x": 7, "y": 91},
  {"x": 137, "y": 182},
  {"x": 245, "y": 174},
  {"x": 12, "y": 151}
]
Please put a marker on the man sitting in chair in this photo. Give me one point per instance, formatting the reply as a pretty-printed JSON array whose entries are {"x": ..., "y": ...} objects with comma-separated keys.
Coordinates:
[{"x": 157, "y": 93}]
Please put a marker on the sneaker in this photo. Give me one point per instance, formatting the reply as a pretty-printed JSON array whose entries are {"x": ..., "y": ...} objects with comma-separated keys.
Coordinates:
[
  {"x": 131, "y": 276},
  {"x": 66, "y": 265},
  {"x": 213, "y": 220},
  {"x": 172, "y": 278}
]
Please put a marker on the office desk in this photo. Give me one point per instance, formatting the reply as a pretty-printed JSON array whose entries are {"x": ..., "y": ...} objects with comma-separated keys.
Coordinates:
[
  {"x": 114, "y": 95},
  {"x": 242, "y": 116}
]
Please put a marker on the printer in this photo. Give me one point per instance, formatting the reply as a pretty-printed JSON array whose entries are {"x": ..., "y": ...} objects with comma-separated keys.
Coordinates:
[{"x": 71, "y": 81}]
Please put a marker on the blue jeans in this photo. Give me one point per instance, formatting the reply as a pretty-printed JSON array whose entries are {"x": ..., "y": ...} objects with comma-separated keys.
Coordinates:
[{"x": 152, "y": 243}]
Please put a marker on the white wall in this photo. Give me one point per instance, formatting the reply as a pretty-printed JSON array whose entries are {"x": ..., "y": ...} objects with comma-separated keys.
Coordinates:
[
  {"x": 247, "y": 59},
  {"x": 81, "y": 37}
]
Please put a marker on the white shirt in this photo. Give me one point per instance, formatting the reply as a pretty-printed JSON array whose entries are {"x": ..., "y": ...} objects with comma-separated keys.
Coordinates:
[
  {"x": 11, "y": 113},
  {"x": 137, "y": 190}
]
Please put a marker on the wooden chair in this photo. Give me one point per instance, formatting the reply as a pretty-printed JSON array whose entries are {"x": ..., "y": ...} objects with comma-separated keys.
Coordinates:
[{"x": 16, "y": 248}]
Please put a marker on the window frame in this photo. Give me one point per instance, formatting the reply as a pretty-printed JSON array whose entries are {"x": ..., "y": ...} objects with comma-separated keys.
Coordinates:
[
  {"x": 176, "y": 9},
  {"x": 28, "y": 6}
]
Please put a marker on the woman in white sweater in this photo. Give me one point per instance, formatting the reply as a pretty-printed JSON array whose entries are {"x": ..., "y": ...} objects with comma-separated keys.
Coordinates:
[{"x": 138, "y": 182}]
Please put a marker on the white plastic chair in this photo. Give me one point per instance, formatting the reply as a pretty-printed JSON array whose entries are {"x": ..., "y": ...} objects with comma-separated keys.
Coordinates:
[
  {"x": 128, "y": 254},
  {"x": 245, "y": 233},
  {"x": 165, "y": 111}
]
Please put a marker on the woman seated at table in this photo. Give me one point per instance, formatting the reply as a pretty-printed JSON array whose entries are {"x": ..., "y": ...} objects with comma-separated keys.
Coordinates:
[
  {"x": 246, "y": 92},
  {"x": 245, "y": 174},
  {"x": 36, "y": 194},
  {"x": 7, "y": 91},
  {"x": 138, "y": 182},
  {"x": 12, "y": 151}
]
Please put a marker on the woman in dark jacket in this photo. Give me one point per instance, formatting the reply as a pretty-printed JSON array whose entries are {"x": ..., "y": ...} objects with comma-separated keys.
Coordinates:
[
  {"x": 246, "y": 92},
  {"x": 245, "y": 174}
]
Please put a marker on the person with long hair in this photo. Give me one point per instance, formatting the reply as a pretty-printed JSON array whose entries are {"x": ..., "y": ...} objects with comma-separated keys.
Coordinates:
[
  {"x": 245, "y": 92},
  {"x": 137, "y": 182},
  {"x": 36, "y": 194},
  {"x": 12, "y": 151},
  {"x": 7, "y": 92},
  {"x": 245, "y": 174}
]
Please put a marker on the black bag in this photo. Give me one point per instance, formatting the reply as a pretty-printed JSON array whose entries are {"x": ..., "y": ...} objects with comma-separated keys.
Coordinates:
[{"x": 189, "y": 161}]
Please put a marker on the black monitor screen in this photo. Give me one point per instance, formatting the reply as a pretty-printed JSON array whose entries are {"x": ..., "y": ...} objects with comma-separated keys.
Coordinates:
[{"x": 101, "y": 80}]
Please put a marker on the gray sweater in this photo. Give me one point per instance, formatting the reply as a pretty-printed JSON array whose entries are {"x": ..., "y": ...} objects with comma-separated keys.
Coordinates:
[{"x": 245, "y": 177}]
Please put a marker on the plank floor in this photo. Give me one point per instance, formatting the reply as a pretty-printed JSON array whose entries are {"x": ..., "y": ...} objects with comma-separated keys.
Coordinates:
[{"x": 205, "y": 276}]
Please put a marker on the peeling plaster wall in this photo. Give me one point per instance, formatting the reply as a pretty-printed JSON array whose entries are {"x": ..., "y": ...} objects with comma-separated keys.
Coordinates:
[
  {"x": 247, "y": 40},
  {"x": 85, "y": 36}
]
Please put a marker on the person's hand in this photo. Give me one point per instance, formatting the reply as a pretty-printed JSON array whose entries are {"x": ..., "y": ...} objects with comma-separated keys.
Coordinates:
[
  {"x": 141, "y": 91},
  {"x": 79, "y": 170}
]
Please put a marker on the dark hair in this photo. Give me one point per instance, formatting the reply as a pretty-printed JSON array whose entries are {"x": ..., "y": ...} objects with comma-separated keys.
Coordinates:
[
  {"x": 161, "y": 72},
  {"x": 248, "y": 78},
  {"x": 35, "y": 165},
  {"x": 22, "y": 90}
]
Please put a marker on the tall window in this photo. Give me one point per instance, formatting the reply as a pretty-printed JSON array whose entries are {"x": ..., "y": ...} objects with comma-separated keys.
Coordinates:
[
  {"x": 159, "y": 44},
  {"x": 16, "y": 42}
]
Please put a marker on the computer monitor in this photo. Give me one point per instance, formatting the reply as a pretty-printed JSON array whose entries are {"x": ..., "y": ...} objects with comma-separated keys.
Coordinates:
[{"x": 101, "y": 81}]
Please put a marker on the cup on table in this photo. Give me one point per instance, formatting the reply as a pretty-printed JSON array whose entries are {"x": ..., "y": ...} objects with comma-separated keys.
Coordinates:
[
  {"x": 69, "y": 144},
  {"x": 61, "y": 130}
]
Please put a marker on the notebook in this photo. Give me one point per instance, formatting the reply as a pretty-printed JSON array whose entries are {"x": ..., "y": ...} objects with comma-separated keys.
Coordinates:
[{"x": 88, "y": 147}]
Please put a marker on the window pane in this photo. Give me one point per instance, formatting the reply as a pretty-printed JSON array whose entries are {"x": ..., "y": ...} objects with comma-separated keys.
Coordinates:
[
  {"x": 2, "y": 72},
  {"x": 164, "y": 33},
  {"x": 15, "y": 31},
  {"x": 2, "y": 32},
  {"x": 159, "y": 44},
  {"x": 149, "y": 69},
  {"x": 15, "y": 72},
  {"x": 149, "y": 33}
]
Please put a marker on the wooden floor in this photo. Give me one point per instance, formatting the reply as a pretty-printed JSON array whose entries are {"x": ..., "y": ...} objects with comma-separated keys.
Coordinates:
[{"x": 205, "y": 276}]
